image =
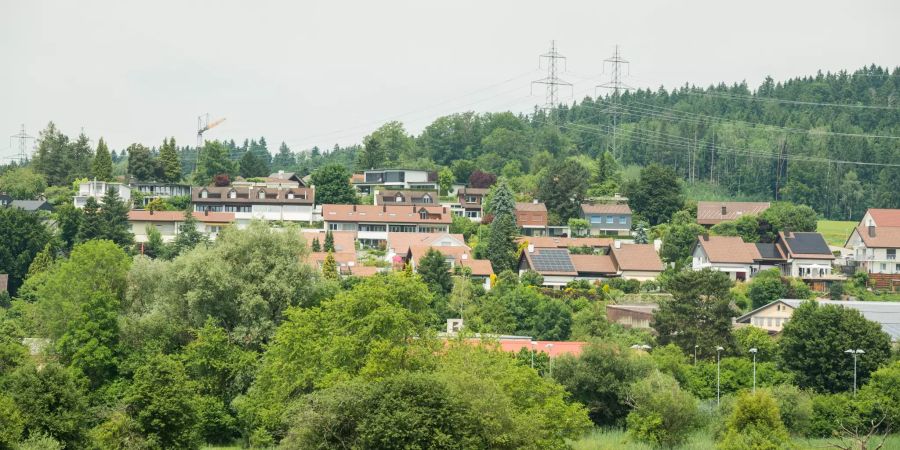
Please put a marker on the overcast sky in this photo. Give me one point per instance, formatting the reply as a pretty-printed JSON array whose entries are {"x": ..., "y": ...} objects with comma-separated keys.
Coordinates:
[{"x": 316, "y": 73}]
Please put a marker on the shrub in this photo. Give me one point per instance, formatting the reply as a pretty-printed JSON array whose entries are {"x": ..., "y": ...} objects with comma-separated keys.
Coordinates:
[
  {"x": 882, "y": 392},
  {"x": 832, "y": 411},
  {"x": 663, "y": 415},
  {"x": 795, "y": 407},
  {"x": 755, "y": 423},
  {"x": 532, "y": 278}
]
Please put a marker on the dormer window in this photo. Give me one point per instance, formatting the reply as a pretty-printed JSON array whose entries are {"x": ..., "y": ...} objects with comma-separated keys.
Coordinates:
[
  {"x": 426, "y": 198},
  {"x": 232, "y": 194},
  {"x": 423, "y": 214},
  {"x": 399, "y": 198},
  {"x": 261, "y": 194},
  {"x": 204, "y": 194},
  {"x": 290, "y": 195}
]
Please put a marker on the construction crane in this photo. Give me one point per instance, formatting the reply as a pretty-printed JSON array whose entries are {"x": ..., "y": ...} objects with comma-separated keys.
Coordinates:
[{"x": 203, "y": 125}]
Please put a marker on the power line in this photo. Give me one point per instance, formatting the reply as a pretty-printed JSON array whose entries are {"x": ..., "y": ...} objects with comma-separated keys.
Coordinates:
[
  {"x": 795, "y": 102},
  {"x": 615, "y": 84},
  {"x": 552, "y": 80},
  {"x": 22, "y": 137}
]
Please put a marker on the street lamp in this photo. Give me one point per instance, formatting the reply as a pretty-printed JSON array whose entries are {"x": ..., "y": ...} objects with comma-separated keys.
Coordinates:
[
  {"x": 854, "y": 353},
  {"x": 718, "y": 374},
  {"x": 533, "y": 345},
  {"x": 550, "y": 355},
  {"x": 753, "y": 350},
  {"x": 695, "y": 354}
]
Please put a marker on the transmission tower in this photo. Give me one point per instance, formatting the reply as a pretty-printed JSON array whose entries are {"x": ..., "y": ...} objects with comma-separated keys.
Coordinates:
[
  {"x": 616, "y": 85},
  {"x": 552, "y": 81},
  {"x": 22, "y": 137}
]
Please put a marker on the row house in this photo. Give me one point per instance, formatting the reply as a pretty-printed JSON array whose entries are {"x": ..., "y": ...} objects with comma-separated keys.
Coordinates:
[
  {"x": 607, "y": 218},
  {"x": 170, "y": 223},
  {"x": 373, "y": 223},
  {"x": 402, "y": 179},
  {"x": 151, "y": 191},
  {"x": 97, "y": 189},
  {"x": 712, "y": 213},
  {"x": 875, "y": 243},
  {"x": 559, "y": 266},
  {"x": 405, "y": 198},
  {"x": 256, "y": 203}
]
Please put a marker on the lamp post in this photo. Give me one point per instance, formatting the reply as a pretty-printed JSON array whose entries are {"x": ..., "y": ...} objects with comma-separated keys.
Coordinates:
[
  {"x": 718, "y": 374},
  {"x": 695, "y": 354},
  {"x": 753, "y": 350},
  {"x": 533, "y": 345},
  {"x": 854, "y": 353},
  {"x": 550, "y": 355}
]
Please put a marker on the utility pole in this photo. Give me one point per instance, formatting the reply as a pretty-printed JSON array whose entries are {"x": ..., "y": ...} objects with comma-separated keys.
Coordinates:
[
  {"x": 22, "y": 137},
  {"x": 615, "y": 83},
  {"x": 552, "y": 80}
]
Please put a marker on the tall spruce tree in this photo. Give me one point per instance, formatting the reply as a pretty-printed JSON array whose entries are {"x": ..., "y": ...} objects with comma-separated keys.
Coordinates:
[
  {"x": 141, "y": 164},
  {"x": 114, "y": 218},
  {"x": 435, "y": 272},
  {"x": 169, "y": 162},
  {"x": 329, "y": 241},
  {"x": 91, "y": 224},
  {"x": 501, "y": 247},
  {"x": 101, "y": 167}
]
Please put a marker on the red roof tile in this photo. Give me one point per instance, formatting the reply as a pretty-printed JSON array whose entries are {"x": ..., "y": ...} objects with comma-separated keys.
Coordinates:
[
  {"x": 728, "y": 249},
  {"x": 178, "y": 216},
  {"x": 638, "y": 257},
  {"x": 385, "y": 214},
  {"x": 885, "y": 217},
  {"x": 710, "y": 213}
]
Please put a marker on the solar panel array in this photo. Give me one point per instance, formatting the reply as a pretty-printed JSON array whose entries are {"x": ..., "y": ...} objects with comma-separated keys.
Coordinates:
[
  {"x": 553, "y": 260},
  {"x": 808, "y": 243}
]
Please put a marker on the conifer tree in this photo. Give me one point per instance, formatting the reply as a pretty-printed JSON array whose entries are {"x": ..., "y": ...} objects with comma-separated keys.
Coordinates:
[
  {"x": 501, "y": 248},
  {"x": 329, "y": 241},
  {"x": 141, "y": 164},
  {"x": 42, "y": 261},
  {"x": 114, "y": 218},
  {"x": 188, "y": 235},
  {"x": 329, "y": 267},
  {"x": 91, "y": 223},
  {"x": 316, "y": 246},
  {"x": 435, "y": 272},
  {"x": 502, "y": 201},
  {"x": 101, "y": 167},
  {"x": 169, "y": 162}
]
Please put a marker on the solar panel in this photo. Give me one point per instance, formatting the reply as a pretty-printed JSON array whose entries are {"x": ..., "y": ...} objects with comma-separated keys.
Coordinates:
[
  {"x": 553, "y": 260},
  {"x": 809, "y": 243}
]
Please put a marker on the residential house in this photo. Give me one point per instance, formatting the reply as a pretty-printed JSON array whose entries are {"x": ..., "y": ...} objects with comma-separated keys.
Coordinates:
[
  {"x": 773, "y": 316},
  {"x": 607, "y": 218},
  {"x": 729, "y": 254},
  {"x": 398, "y": 244},
  {"x": 875, "y": 243},
  {"x": 170, "y": 223},
  {"x": 632, "y": 316},
  {"x": 405, "y": 197},
  {"x": 373, "y": 223},
  {"x": 531, "y": 218},
  {"x": 636, "y": 261},
  {"x": 470, "y": 202},
  {"x": 712, "y": 213},
  {"x": 597, "y": 245},
  {"x": 281, "y": 179},
  {"x": 153, "y": 191},
  {"x": 32, "y": 205},
  {"x": 5, "y": 200},
  {"x": 394, "y": 179},
  {"x": 456, "y": 255},
  {"x": 808, "y": 257},
  {"x": 259, "y": 203},
  {"x": 97, "y": 189}
]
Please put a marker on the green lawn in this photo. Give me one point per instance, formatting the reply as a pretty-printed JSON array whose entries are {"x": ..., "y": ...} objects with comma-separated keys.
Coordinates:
[
  {"x": 835, "y": 232},
  {"x": 619, "y": 440}
]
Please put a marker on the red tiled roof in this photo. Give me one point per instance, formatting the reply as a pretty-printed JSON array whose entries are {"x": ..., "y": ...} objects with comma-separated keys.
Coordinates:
[
  {"x": 401, "y": 242},
  {"x": 178, "y": 216},
  {"x": 728, "y": 249},
  {"x": 339, "y": 257},
  {"x": 344, "y": 241},
  {"x": 419, "y": 251},
  {"x": 710, "y": 213},
  {"x": 885, "y": 217},
  {"x": 385, "y": 214},
  {"x": 532, "y": 207},
  {"x": 557, "y": 348},
  {"x": 565, "y": 242},
  {"x": 479, "y": 267},
  {"x": 362, "y": 271},
  {"x": 593, "y": 263},
  {"x": 606, "y": 209},
  {"x": 885, "y": 237},
  {"x": 638, "y": 257}
]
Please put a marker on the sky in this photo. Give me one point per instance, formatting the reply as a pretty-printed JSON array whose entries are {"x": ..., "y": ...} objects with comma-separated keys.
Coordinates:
[{"x": 319, "y": 73}]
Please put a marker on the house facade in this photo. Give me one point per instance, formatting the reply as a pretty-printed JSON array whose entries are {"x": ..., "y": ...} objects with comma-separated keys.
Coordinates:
[
  {"x": 729, "y": 254},
  {"x": 773, "y": 316},
  {"x": 531, "y": 218},
  {"x": 170, "y": 223},
  {"x": 97, "y": 189},
  {"x": 607, "y": 218},
  {"x": 470, "y": 201},
  {"x": 153, "y": 191},
  {"x": 405, "y": 197},
  {"x": 256, "y": 203},
  {"x": 394, "y": 179},
  {"x": 712, "y": 213},
  {"x": 373, "y": 223}
]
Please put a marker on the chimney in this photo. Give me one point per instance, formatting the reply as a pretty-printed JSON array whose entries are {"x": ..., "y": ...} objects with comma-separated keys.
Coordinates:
[
  {"x": 724, "y": 210},
  {"x": 706, "y": 236},
  {"x": 206, "y": 212},
  {"x": 530, "y": 248},
  {"x": 354, "y": 208},
  {"x": 151, "y": 213},
  {"x": 535, "y": 201},
  {"x": 871, "y": 230},
  {"x": 383, "y": 208}
]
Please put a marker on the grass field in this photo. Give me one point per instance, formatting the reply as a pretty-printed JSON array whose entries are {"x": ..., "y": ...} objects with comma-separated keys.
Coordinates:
[
  {"x": 835, "y": 232},
  {"x": 619, "y": 440}
]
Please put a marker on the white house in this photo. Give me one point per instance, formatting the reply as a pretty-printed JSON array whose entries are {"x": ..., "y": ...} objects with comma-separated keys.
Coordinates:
[
  {"x": 875, "y": 242},
  {"x": 395, "y": 179},
  {"x": 729, "y": 254},
  {"x": 260, "y": 203},
  {"x": 373, "y": 223},
  {"x": 97, "y": 189}
]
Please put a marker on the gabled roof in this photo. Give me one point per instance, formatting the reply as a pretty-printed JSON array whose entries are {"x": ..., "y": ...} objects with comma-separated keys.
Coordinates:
[
  {"x": 344, "y": 241},
  {"x": 472, "y": 191},
  {"x": 550, "y": 261},
  {"x": 401, "y": 242},
  {"x": 710, "y": 213},
  {"x": 31, "y": 205},
  {"x": 178, "y": 216},
  {"x": 806, "y": 245},
  {"x": 885, "y": 217},
  {"x": 342, "y": 258},
  {"x": 886, "y": 314},
  {"x": 458, "y": 253},
  {"x": 565, "y": 242},
  {"x": 531, "y": 207},
  {"x": 728, "y": 249},
  {"x": 769, "y": 251},
  {"x": 385, "y": 214},
  {"x": 610, "y": 208},
  {"x": 637, "y": 257},
  {"x": 479, "y": 267},
  {"x": 409, "y": 197},
  {"x": 879, "y": 237},
  {"x": 586, "y": 264}
]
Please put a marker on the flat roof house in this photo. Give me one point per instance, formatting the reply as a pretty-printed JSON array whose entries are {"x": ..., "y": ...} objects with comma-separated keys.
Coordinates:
[
  {"x": 394, "y": 179},
  {"x": 259, "y": 203},
  {"x": 97, "y": 189},
  {"x": 373, "y": 223},
  {"x": 607, "y": 218},
  {"x": 152, "y": 191},
  {"x": 712, "y": 213}
]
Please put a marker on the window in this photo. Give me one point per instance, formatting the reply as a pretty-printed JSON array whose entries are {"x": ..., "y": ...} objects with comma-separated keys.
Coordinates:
[
  {"x": 423, "y": 214},
  {"x": 473, "y": 214},
  {"x": 891, "y": 253},
  {"x": 399, "y": 198},
  {"x": 290, "y": 195},
  {"x": 334, "y": 226},
  {"x": 610, "y": 219},
  {"x": 394, "y": 177},
  {"x": 402, "y": 228},
  {"x": 377, "y": 228},
  {"x": 214, "y": 229},
  {"x": 897, "y": 268},
  {"x": 596, "y": 220},
  {"x": 426, "y": 199},
  {"x": 261, "y": 194},
  {"x": 623, "y": 220},
  {"x": 232, "y": 194},
  {"x": 471, "y": 199},
  {"x": 883, "y": 267},
  {"x": 204, "y": 194}
]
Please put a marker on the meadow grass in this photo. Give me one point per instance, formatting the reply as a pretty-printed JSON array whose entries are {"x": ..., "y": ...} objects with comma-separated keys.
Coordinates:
[
  {"x": 835, "y": 232},
  {"x": 703, "y": 440}
]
